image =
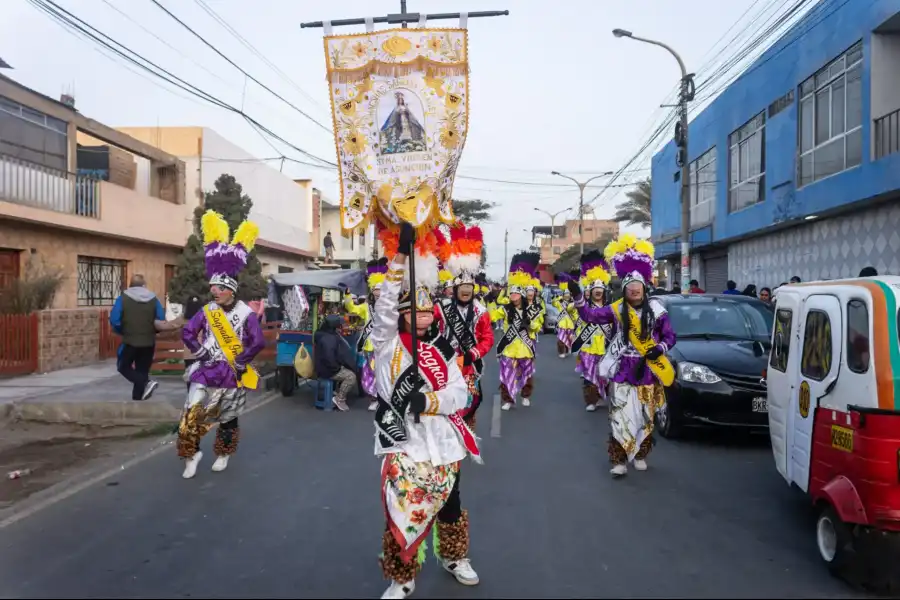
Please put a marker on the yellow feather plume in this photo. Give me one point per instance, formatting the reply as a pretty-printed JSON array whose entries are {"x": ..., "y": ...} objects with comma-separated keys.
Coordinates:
[
  {"x": 518, "y": 279},
  {"x": 375, "y": 279},
  {"x": 214, "y": 228},
  {"x": 564, "y": 286},
  {"x": 246, "y": 235},
  {"x": 597, "y": 273},
  {"x": 444, "y": 276},
  {"x": 625, "y": 242}
]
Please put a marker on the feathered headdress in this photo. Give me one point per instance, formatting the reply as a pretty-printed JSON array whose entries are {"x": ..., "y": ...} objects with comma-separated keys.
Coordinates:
[
  {"x": 631, "y": 258},
  {"x": 522, "y": 270},
  {"x": 594, "y": 271},
  {"x": 430, "y": 246},
  {"x": 224, "y": 260},
  {"x": 375, "y": 272},
  {"x": 481, "y": 284},
  {"x": 465, "y": 253},
  {"x": 445, "y": 278}
]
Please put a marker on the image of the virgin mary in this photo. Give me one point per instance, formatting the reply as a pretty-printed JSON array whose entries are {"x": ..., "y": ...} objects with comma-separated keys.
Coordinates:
[{"x": 401, "y": 131}]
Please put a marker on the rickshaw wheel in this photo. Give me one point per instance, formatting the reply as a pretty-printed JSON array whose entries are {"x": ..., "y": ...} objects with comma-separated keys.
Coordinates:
[
  {"x": 834, "y": 540},
  {"x": 287, "y": 380}
]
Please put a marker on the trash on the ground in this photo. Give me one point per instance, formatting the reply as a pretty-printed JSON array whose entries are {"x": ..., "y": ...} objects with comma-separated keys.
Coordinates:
[{"x": 18, "y": 473}]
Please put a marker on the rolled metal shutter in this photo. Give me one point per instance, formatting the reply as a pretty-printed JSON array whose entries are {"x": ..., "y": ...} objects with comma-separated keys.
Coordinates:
[{"x": 715, "y": 274}]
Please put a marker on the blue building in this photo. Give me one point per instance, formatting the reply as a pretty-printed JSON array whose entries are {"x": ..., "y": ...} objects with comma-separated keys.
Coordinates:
[{"x": 795, "y": 167}]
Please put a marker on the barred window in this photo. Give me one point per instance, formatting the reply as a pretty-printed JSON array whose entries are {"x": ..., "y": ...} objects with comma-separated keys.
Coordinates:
[{"x": 100, "y": 280}]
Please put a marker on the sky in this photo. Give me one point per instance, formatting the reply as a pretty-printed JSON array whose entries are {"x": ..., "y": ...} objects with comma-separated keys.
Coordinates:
[{"x": 551, "y": 89}]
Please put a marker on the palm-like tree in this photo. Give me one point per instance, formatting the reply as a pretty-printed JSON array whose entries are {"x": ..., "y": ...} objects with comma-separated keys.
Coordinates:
[{"x": 636, "y": 209}]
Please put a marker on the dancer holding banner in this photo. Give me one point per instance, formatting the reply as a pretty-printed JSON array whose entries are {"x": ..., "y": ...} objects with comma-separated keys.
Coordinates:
[
  {"x": 223, "y": 337},
  {"x": 521, "y": 323},
  {"x": 420, "y": 431},
  {"x": 376, "y": 270},
  {"x": 568, "y": 315},
  {"x": 635, "y": 358},
  {"x": 462, "y": 319},
  {"x": 590, "y": 339}
]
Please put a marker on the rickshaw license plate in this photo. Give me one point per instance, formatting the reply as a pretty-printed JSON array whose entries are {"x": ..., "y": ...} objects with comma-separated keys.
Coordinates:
[
  {"x": 842, "y": 438},
  {"x": 760, "y": 405}
]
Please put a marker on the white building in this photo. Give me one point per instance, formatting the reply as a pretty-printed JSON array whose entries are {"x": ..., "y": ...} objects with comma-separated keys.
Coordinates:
[{"x": 349, "y": 251}]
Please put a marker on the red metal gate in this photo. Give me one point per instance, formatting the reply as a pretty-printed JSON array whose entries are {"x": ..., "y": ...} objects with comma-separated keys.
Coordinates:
[
  {"x": 109, "y": 341},
  {"x": 18, "y": 344}
]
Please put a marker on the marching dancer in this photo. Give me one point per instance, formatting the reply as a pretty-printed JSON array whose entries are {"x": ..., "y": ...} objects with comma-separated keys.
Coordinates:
[
  {"x": 641, "y": 334},
  {"x": 521, "y": 323},
  {"x": 462, "y": 319},
  {"x": 375, "y": 271},
  {"x": 418, "y": 426},
  {"x": 590, "y": 339},
  {"x": 568, "y": 315},
  {"x": 223, "y": 337}
]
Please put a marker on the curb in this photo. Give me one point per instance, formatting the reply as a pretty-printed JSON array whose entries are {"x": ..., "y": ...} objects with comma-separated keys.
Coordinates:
[{"x": 102, "y": 414}]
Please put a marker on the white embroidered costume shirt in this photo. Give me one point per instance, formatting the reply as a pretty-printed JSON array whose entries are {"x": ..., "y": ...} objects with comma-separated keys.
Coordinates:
[{"x": 433, "y": 439}]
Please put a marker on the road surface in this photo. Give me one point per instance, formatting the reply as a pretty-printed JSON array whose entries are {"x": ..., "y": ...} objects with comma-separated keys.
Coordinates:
[{"x": 297, "y": 515}]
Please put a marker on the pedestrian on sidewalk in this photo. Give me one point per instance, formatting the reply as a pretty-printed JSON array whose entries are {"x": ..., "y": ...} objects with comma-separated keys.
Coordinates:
[
  {"x": 224, "y": 337},
  {"x": 635, "y": 359},
  {"x": 329, "y": 248},
  {"x": 137, "y": 316},
  {"x": 334, "y": 360}
]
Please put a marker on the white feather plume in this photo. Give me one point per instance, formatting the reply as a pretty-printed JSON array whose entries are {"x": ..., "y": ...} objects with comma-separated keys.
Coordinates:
[
  {"x": 460, "y": 263},
  {"x": 426, "y": 272}
]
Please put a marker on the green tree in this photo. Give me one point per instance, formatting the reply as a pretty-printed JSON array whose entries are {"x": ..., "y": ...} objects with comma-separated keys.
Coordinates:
[
  {"x": 190, "y": 279},
  {"x": 474, "y": 212},
  {"x": 636, "y": 209}
]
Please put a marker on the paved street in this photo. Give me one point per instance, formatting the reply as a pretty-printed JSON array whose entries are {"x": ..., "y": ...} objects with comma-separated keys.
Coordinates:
[{"x": 297, "y": 515}]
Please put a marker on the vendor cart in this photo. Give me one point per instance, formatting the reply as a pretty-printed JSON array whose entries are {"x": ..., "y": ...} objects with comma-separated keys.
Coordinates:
[{"x": 324, "y": 291}]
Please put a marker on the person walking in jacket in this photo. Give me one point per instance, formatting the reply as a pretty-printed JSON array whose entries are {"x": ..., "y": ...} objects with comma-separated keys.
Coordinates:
[
  {"x": 333, "y": 360},
  {"x": 329, "y": 248},
  {"x": 137, "y": 315}
]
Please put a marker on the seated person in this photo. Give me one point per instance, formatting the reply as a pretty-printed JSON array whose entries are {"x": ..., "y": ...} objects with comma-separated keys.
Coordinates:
[{"x": 333, "y": 359}]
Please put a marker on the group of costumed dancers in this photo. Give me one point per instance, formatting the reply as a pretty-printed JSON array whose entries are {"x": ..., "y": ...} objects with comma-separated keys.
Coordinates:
[{"x": 422, "y": 374}]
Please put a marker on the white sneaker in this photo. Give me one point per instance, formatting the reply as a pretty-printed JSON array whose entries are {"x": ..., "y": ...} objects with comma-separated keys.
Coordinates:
[
  {"x": 526, "y": 402},
  {"x": 590, "y": 407},
  {"x": 562, "y": 355},
  {"x": 373, "y": 405},
  {"x": 506, "y": 406},
  {"x": 640, "y": 464},
  {"x": 619, "y": 470},
  {"x": 400, "y": 590},
  {"x": 190, "y": 465},
  {"x": 340, "y": 404},
  {"x": 149, "y": 389},
  {"x": 462, "y": 570},
  {"x": 221, "y": 464}
]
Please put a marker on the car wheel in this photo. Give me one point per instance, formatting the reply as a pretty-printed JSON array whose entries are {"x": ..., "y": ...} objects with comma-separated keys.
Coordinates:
[
  {"x": 668, "y": 421},
  {"x": 834, "y": 541}
]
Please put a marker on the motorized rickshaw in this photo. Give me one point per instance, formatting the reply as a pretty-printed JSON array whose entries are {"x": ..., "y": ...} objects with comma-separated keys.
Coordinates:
[
  {"x": 834, "y": 418},
  {"x": 323, "y": 292}
]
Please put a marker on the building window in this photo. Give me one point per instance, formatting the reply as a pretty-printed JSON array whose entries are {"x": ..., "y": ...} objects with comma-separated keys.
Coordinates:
[
  {"x": 100, "y": 280},
  {"x": 831, "y": 118},
  {"x": 815, "y": 363},
  {"x": 857, "y": 336},
  {"x": 32, "y": 136},
  {"x": 283, "y": 269},
  {"x": 747, "y": 164},
  {"x": 703, "y": 188},
  {"x": 781, "y": 340}
]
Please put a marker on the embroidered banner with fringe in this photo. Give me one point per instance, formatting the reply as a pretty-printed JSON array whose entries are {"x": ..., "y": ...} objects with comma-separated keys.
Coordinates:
[{"x": 400, "y": 106}]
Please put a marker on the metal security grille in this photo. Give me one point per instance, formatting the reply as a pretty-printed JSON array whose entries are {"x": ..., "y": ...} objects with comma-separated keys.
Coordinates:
[{"x": 100, "y": 280}]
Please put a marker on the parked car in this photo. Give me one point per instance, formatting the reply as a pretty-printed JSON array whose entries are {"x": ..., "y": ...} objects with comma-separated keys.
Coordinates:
[
  {"x": 552, "y": 314},
  {"x": 720, "y": 362}
]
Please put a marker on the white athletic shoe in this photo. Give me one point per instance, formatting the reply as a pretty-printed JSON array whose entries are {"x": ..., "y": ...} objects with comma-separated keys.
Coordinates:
[
  {"x": 526, "y": 402},
  {"x": 590, "y": 407},
  {"x": 221, "y": 464},
  {"x": 640, "y": 464},
  {"x": 399, "y": 591},
  {"x": 619, "y": 470},
  {"x": 562, "y": 355},
  {"x": 506, "y": 406},
  {"x": 373, "y": 405},
  {"x": 190, "y": 465},
  {"x": 462, "y": 570}
]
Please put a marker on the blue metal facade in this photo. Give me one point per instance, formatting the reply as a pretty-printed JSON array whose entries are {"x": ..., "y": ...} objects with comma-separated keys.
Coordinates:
[{"x": 828, "y": 30}]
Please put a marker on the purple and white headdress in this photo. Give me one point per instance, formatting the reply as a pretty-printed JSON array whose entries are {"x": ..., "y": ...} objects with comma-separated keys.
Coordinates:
[
  {"x": 631, "y": 259},
  {"x": 225, "y": 260}
]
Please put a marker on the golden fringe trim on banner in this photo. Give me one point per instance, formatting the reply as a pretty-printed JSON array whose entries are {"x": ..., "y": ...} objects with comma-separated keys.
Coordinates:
[{"x": 386, "y": 69}]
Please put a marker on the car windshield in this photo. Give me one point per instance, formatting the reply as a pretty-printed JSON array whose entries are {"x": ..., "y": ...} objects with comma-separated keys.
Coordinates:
[{"x": 722, "y": 319}]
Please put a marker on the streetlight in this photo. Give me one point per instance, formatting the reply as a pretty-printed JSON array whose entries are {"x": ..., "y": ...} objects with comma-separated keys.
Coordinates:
[
  {"x": 581, "y": 187},
  {"x": 681, "y": 140},
  {"x": 552, "y": 222}
]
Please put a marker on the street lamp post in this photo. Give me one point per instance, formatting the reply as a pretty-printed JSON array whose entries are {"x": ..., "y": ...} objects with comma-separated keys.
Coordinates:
[
  {"x": 552, "y": 222},
  {"x": 581, "y": 186},
  {"x": 681, "y": 140}
]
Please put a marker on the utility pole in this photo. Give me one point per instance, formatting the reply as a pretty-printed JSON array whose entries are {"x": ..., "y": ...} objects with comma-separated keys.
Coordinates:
[
  {"x": 681, "y": 157},
  {"x": 552, "y": 222},
  {"x": 581, "y": 186}
]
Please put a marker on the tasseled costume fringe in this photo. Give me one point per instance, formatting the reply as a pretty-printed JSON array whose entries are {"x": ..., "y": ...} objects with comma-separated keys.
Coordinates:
[
  {"x": 618, "y": 456},
  {"x": 393, "y": 567},
  {"x": 385, "y": 69},
  {"x": 451, "y": 540},
  {"x": 191, "y": 430},
  {"x": 227, "y": 441}
]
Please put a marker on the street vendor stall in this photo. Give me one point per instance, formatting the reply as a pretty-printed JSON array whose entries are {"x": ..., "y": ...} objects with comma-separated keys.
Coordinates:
[{"x": 301, "y": 300}]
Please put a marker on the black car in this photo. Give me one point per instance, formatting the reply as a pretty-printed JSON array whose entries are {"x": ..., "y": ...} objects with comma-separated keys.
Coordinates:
[{"x": 720, "y": 359}]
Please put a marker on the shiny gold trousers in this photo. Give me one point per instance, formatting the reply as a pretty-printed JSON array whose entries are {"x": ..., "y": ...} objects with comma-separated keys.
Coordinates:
[{"x": 206, "y": 407}]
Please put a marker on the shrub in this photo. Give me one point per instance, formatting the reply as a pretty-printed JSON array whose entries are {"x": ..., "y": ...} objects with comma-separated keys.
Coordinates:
[{"x": 35, "y": 290}]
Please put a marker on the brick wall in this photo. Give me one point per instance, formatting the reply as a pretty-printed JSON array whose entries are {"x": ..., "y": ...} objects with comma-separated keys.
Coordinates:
[{"x": 68, "y": 338}]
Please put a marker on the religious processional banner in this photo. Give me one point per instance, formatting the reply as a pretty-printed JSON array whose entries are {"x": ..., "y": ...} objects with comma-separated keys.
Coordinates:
[{"x": 400, "y": 105}]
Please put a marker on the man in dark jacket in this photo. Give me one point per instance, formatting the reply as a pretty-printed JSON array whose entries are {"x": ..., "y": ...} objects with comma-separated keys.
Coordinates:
[
  {"x": 136, "y": 316},
  {"x": 333, "y": 359}
]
